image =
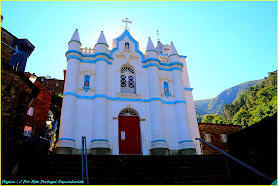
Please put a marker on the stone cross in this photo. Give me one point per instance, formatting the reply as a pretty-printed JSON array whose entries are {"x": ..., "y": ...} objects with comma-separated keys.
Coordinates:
[
  {"x": 157, "y": 35},
  {"x": 126, "y": 20}
]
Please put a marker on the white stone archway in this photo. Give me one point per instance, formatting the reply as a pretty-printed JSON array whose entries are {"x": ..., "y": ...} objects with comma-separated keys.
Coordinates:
[{"x": 141, "y": 112}]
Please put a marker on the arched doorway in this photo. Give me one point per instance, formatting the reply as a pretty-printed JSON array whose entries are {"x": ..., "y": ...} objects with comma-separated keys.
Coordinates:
[{"x": 129, "y": 132}]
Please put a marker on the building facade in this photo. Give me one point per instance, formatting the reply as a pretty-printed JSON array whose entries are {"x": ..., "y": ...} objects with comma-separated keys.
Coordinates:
[
  {"x": 17, "y": 94},
  {"x": 217, "y": 135},
  {"x": 37, "y": 113},
  {"x": 127, "y": 102}
]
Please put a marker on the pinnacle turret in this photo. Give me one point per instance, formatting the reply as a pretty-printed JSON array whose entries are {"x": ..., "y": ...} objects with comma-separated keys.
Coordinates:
[
  {"x": 75, "y": 43},
  {"x": 159, "y": 47},
  {"x": 173, "y": 50},
  {"x": 173, "y": 54},
  {"x": 101, "y": 39},
  {"x": 150, "y": 45},
  {"x": 101, "y": 46},
  {"x": 150, "y": 50}
]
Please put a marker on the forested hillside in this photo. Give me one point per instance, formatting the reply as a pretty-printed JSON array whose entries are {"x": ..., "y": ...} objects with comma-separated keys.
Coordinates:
[
  {"x": 256, "y": 103},
  {"x": 216, "y": 105}
]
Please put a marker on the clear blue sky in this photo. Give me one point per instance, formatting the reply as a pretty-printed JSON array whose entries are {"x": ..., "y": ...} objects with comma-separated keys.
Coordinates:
[{"x": 226, "y": 43}]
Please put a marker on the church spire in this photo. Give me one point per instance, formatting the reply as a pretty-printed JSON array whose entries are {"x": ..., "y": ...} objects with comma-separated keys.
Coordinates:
[
  {"x": 101, "y": 39},
  {"x": 150, "y": 50},
  {"x": 74, "y": 43},
  {"x": 173, "y": 50},
  {"x": 75, "y": 36},
  {"x": 150, "y": 45},
  {"x": 101, "y": 45}
]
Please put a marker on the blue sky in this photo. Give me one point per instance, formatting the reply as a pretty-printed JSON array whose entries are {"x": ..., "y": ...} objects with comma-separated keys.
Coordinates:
[{"x": 226, "y": 43}]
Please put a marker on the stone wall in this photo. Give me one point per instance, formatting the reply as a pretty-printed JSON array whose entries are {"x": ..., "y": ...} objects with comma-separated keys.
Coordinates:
[
  {"x": 6, "y": 52},
  {"x": 215, "y": 131}
]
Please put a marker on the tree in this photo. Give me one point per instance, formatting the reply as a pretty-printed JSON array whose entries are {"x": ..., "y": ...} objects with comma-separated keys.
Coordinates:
[
  {"x": 241, "y": 117},
  {"x": 215, "y": 118}
]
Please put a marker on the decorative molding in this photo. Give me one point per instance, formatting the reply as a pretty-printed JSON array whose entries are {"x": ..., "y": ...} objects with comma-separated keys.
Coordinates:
[
  {"x": 75, "y": 41},
  {"x": 99, "y": 140},
  {"x": 122, "y": 99},
  {"x": 126, "y": 33},
  {"x": 66, "y": 139},
  {"x": 142, "y": 119},
  {"x": 115, "y": 118},
  {"x": 185, "y": 141},
  {"x": 188, "y": 89},
  {"x": 158, "y": 140},
  {"x": 88, "y": 61}
]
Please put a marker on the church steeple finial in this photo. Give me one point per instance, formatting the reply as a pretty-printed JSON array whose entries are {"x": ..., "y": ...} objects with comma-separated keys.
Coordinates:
[
  {"x": 126, "y": 20},
  {"x": 150, "y": 45},
  {"x": 173, "y": 50},
  {"x": 74, "y": 43},
  {"x": 101, "y": 39},
  {"x": 75, "y": 36},
  {"x": 158, "y": 40},
  {"x": 101, "y": 45}
]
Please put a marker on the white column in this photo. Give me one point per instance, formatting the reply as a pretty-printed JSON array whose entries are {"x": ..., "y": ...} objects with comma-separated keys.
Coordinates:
[
  {"x": 185, "y": 140},
  {"x": 67, "y": 125},
  {"x": 100, "y": 115},
  {"x": 157, "y": 133}
]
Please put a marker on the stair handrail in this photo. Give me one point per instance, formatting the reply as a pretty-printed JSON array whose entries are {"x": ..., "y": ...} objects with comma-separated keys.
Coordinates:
[
  {"x": 84, "y": 147},
  {"x": 237, "y": 160}
]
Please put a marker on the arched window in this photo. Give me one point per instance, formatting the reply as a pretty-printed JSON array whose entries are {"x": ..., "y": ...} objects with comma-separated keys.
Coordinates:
[
  {"x": 127, "y": 80},
  {"x": 166, "y": 89},
  {"x": 127, "y": 46}
]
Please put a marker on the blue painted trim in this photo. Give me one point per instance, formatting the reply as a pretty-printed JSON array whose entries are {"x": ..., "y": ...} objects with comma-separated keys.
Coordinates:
[
  {"x": 126, "y": 33},
  {"x": 185, "y": 141},
  {"x": 158, "y": 140},
  {"x": 99, "y": 140},
  {"x": 151, "y": 59},
  {"x": 174, "y": 55},
  {"x": 167, "y": 94},
  {"x": 151, "y": 51},
  {"x": 86, "y": 89},
  {"x": 151, "y": 65},
  {"x": 88, "y": 55},
  {"x": 101, "y": 53},
  {"x": 88, "y": 60},
  {"x": 161, "y": 54},
  {"x": 181, "y": 56},
  {"x": 171, "y": 64},
  {"x": 75, "y": 41},
  {"x": 66, "y": 139},
  {"x": 73, "y": 51},
  {"x": 122, "y": 99},
  {"x": 101, "y": 43},
  {"x": 188, "y": 89}
]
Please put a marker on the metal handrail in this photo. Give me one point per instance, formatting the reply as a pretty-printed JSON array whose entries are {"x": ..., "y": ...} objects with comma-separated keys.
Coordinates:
[
  {"x": 237, "y": 160},
  {"x": 84, "y": 146}
]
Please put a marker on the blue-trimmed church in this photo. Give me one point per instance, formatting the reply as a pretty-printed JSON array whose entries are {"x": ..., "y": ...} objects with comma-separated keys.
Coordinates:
[{"x": 125, "y": 101}]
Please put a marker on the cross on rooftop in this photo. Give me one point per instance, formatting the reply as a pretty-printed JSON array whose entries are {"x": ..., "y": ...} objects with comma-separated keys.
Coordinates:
[
  {"x": 157, "y": 35},
  {"x": 126, "y": 20}
]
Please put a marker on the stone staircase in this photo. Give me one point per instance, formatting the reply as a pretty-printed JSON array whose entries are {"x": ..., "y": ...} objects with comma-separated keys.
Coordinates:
[{"x": 132, "y": 169}]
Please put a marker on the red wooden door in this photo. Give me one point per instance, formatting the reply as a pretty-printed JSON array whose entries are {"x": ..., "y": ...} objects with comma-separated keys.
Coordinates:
[{"x": 129, "y": 135}]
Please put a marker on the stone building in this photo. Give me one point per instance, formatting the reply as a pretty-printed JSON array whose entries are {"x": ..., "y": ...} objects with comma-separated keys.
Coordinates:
[
  {"x": 127, "y": 102},
  {"x": 216, "y": 134},
  {"x": 37, "y": 113},
  {"x": 17, "y": 94}
]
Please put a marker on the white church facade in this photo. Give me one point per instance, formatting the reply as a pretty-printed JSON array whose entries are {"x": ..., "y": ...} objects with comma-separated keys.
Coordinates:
[{"x": 127, "y": 102}]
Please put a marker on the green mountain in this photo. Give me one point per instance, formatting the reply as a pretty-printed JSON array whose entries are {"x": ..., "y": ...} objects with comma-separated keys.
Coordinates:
[{"x": 228, "y": 96}]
